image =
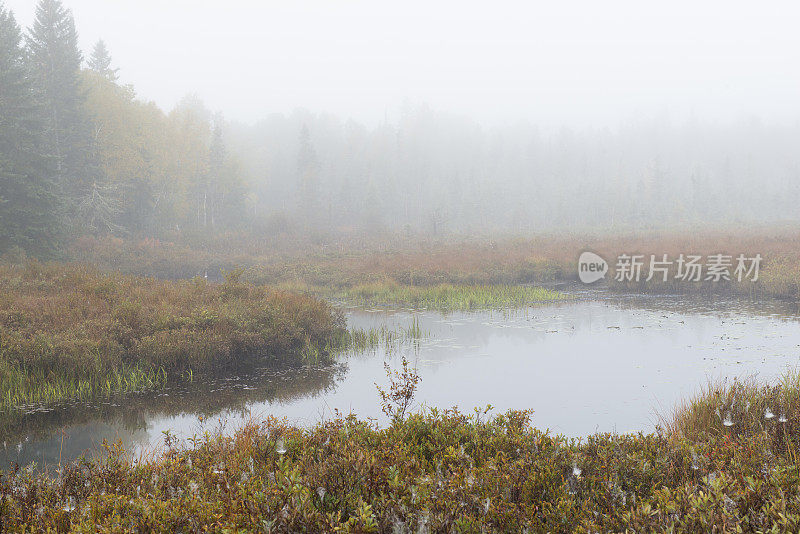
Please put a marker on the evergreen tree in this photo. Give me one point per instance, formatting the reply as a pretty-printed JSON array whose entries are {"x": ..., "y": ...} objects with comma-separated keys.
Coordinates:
[
  {"x": 28, "y": 211},
  {"x": 100, "y": 62},
  {"x": 307, "y": 170},
  {"x": 216, "y": 163},
  {"x": 55, "y": 62},
  {"x": 226, "y": 189}
]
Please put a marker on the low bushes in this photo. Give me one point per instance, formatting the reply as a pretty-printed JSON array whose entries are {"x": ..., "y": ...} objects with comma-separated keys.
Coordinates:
[{"x": 431, "y": 472}]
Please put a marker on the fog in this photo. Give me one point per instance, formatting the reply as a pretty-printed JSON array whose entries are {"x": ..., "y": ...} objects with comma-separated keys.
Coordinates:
[
  {"x": 443, "y": 118},
  {"x": 573, "y": 62}
]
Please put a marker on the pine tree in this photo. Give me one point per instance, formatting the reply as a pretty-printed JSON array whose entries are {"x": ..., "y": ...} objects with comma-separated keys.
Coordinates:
[
  {"x": 28, "y": 207},
  {"x": 100, "y": 62},
  {"x": 55, "y": 63}
]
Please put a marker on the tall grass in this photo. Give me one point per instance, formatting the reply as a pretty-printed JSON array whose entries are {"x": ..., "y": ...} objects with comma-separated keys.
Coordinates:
[
  {"x": 734, "y": 408},
  {"x": 23, "y": 388}
]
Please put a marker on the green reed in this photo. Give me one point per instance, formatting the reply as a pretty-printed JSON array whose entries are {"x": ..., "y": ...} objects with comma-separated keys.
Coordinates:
[
  {"x": 22, "y": 388},
  {"x": 365, "y": 339},
  {"x": 448, "y": 297}
]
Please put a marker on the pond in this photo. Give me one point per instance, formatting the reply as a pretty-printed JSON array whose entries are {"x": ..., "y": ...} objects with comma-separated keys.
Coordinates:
[{"x": 597, "y": 363}]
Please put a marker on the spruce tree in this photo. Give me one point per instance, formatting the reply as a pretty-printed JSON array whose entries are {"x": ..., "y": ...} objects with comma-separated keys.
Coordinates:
[
  {"x": 28, "y": 206},
  {"x": 100, "y": 61},
  {"x": 55, "y": 63},
  {"x": 216, "y": 164},
  {"x": 307, "y": 170}
]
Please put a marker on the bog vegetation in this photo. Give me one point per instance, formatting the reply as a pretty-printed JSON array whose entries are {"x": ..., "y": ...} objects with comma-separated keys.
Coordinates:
[
  {"x": 390, "y": 266},
  {"x": 447, "y": 297},
  {"x": 71, "y": 332},
  {"x": 441, "y": 471}
]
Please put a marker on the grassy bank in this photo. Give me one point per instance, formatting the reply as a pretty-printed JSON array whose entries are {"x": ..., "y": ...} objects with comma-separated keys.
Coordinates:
[
  {"x": 431, "y": 472},
  {"x": 72, "y": 332},
  {"x": 347, "y": 262}
]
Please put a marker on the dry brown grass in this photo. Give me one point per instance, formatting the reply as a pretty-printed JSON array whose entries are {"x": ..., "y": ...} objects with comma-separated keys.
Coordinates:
[{"x": 348, "y": 262}]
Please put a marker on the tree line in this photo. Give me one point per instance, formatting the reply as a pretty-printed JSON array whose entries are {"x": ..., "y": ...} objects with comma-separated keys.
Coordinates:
[
  {"x": 79, "y": 154},
  {"x": 431, "y": 172}
]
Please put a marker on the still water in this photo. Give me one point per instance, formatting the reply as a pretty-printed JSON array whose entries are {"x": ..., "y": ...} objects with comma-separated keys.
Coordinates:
[{"x": 596, "y": 363}]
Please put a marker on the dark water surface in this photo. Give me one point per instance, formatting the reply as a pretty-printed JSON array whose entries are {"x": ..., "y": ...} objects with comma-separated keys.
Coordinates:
[{"x": 599, "y": 363}]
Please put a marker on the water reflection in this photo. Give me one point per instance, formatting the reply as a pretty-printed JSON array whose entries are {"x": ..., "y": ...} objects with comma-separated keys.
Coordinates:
[
  {"x": 65, "y": 433},
  {"x": 599, "y": 363}
]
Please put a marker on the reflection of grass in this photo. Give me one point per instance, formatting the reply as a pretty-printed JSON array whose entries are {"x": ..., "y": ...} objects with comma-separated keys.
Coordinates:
[
  {"x": 195, "y": 396},
  {"x": 204, "y": 398},
  {"x": 361, "y": 340},
  {"x": 70, "y": 332},
  {"x": 451, "y": 297}
]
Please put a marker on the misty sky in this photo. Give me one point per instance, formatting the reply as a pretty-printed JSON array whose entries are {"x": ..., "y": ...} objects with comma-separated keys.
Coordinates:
[{"x": 567, "y": 62}]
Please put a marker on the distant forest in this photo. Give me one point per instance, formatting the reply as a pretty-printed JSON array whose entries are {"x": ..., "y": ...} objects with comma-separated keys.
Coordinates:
[{"x": 81, "y": 155}]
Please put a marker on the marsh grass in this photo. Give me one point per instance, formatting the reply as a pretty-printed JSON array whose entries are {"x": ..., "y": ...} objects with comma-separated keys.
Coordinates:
[
  {"x": 360, "y": 340},
  {"x": 741, "y": 408},
  {"x": 448, "y": 297},
  {"x": 26, "y": 390},
  {"x": 70, "y": 332},
  {"x": 346, "y": 262}
]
